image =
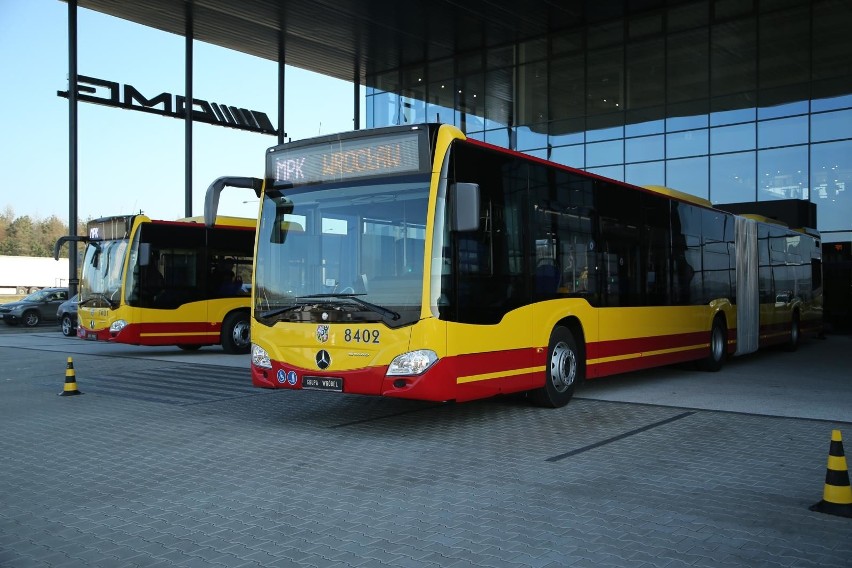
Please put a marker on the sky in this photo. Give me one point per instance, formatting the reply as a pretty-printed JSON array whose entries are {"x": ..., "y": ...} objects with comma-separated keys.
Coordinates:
[{"x": 131, "y": 161}]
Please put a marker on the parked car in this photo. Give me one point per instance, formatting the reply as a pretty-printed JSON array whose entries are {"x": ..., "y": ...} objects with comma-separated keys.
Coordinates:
[
  {"x": 33, "y": 309},
  {"x": 66, "y": 315}
]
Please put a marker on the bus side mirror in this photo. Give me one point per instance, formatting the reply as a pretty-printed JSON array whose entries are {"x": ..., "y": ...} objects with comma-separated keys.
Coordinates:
[{"x": 464, "y": 199}]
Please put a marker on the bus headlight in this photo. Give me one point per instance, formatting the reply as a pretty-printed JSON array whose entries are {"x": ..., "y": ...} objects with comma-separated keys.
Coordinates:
[
  {"x": 412, "y": 363},
  {"x": 117, "y": 326},
  {"x": 259, "y": 356}
]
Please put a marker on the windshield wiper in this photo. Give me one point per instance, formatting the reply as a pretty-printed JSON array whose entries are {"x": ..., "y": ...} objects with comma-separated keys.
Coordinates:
[
  {"x": 101, "y": 296},
  {"x": 358, "y": 301},
  {"x": 279, "y": 311}
]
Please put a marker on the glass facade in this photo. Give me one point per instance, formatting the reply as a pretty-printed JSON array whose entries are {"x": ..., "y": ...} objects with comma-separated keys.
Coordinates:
[{"x": 730, "y": 101}]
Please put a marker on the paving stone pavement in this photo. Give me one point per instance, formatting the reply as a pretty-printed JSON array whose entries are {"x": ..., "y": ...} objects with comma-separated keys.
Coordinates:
[{"x": 169, "y": 463}]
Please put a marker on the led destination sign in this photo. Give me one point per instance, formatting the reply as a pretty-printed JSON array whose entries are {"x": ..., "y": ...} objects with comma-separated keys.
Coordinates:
[{"x": 346, "y": 159}]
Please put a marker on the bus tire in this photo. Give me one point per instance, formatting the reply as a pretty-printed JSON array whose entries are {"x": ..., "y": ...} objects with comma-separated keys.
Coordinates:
[
  {"x": 718, "y": 347},
  {"x": 564, "y": 370},
  {"x": 235, "y": 333},
  {"x": 795, "y": 333},
  {"x": 31, "y": 318}
]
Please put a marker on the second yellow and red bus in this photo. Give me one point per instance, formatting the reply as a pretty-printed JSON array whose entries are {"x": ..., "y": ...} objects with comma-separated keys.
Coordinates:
[{"x": 153, "y": 282}]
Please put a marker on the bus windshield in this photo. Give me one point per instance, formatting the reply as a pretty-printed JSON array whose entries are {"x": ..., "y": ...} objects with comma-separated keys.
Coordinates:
[
  {"x": 103, "y": 265},
  {"x": 342, "y": 252}
]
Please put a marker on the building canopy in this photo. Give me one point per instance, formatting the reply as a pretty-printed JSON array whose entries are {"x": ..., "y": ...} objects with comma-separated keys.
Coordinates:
[{"x": 345, "y": 38}]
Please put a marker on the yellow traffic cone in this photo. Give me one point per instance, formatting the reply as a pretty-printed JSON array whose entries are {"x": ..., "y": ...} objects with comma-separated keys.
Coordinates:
[
  {"x": 70, "y": 380},
  {"x": 837, "y": 496}
]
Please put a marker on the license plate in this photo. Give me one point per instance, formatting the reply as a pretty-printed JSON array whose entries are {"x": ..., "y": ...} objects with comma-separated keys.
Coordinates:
[
  {"x": 92, "y": 336},
  {"x": 334, "y": 384}
]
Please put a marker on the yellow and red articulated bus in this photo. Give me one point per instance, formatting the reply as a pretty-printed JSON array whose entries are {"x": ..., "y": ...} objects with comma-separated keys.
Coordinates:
[
  {"x": 414, "y": 262},
  {"x": 152, "y": 282}
]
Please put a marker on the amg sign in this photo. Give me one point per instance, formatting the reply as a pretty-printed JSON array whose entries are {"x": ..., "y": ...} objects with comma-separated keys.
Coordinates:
[{"x": 113, "y": 94}]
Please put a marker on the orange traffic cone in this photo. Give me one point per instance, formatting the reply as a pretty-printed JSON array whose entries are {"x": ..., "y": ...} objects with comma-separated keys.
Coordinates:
[
  {"x": 70, "y": 380},
  {"x": 837, "y": 496}
]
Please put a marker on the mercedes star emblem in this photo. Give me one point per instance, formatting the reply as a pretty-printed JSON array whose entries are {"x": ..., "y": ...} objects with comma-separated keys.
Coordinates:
[{"x": 323, "y": 359}]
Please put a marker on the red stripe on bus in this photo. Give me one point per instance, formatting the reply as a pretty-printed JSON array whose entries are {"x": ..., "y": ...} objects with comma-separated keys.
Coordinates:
[
  {"x": 189, "y": 333},
  {"x": 636, "y": 345},
  {"x": 440, "y": 382}
]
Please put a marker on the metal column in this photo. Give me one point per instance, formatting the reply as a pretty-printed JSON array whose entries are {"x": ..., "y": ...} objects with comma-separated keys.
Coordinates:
[
  {"x": 281, "y": 72},
  {"x": 72, "y": 146},
  {"x": 188, "y": 115}
]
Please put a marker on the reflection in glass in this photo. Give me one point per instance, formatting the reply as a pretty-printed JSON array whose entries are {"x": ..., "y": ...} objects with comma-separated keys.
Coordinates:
[
  {"x": 688, "y": 16},
  {"x": 644, "y": 128},
  {"x": 690, "y": 143},
  {"x": 567, "y": 87},
  {"x": 782, "y": 132},
  {"x": 831, "y": 125},
  {"x": 644, "y": 149},
  {"x": 832, "y": 103},
  {"x": 611, "y": 172},
  {"x": 732, "y": 138},
  {"x": 782, "y": 173},
  {"x": 605, "y": 153},
  {"x": 498, "y": 98},
  {"x": 531, "y": 101},
  {"x": 831, "y": 180},
  {"x": 604, "y": 88},
  {"x": 600, "y": 134},
  {"x": 689, "y": 175},
  {"x": 782, "y": 34},
  {"x": 540, "y": 153},
  {"x": 384, "y": 108},
  {"x": 732, "y": 56},
  {"x": 734, "y": 116},
  {"x": 574, "y": 156},
  {"x": 687, "y": 116},
  {"x": 778, "y": 111},
  {"x": 564, "y": 132},
  {"x": 439, "y": 108},
  {"x": 732, "y": 178},
  {"x": 498, "y": 137},
  {"x": 645, "y": 74},
  {"x": 359, "y": 239},
  {"x": 648, "y": 173},
  {"x": 529, "y": 137},
  {"x": 687, "y": 69}
]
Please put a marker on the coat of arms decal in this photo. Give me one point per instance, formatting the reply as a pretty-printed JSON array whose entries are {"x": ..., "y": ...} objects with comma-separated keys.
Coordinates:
[{"x": 322, "y": 333}]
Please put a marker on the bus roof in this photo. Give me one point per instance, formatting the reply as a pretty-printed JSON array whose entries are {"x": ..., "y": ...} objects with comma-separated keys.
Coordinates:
[
  {"x": 223, "y": 220},
  {"x": 763, "y": 219},
  {"x": 680, "y": 195}
]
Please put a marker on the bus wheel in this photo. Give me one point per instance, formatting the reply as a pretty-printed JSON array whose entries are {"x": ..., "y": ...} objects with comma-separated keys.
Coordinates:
[
  {"x": 564, "y": 370},
  {"x": 186, "y": 347},
  {"x": 718, "y": 347},
  {"x": 235, "y": 333},
  {"x": 793, "y": 342}
]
